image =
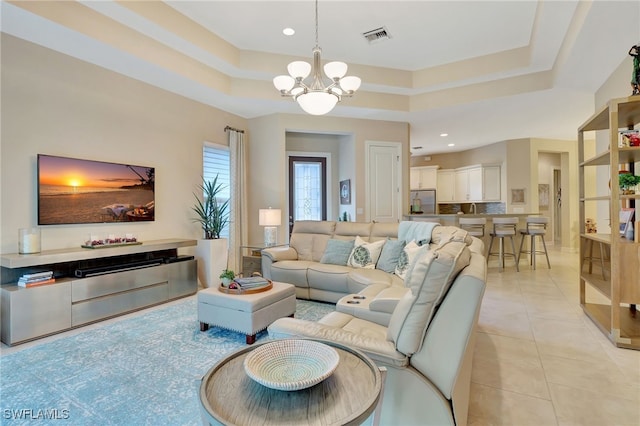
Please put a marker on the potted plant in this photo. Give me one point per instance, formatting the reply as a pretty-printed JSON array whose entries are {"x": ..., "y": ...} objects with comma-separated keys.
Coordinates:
[
  {"x": 212, "y": 214},
  {"x": 627, "y": 181},
  {"x": 227, "y": 277}
]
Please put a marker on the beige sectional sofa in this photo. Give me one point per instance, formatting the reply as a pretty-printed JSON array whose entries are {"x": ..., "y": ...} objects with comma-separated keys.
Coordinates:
[
  {"x": 426, "y": 343},
  {"x": 299, "y": 263}
]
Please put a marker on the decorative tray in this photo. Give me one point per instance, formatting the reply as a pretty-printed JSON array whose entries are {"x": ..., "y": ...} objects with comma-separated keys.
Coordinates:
[
  {"x": 252, "y": 290},
  {"x": 101, "y": 246},
  {"x": 291, "y": 364}
]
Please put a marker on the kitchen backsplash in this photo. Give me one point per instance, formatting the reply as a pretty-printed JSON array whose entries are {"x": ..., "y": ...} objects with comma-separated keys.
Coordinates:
[{"x": 489, "y": 208}]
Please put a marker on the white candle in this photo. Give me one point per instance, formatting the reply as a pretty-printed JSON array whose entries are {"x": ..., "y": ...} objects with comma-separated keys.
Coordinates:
[{"x": 29, "y": 241}]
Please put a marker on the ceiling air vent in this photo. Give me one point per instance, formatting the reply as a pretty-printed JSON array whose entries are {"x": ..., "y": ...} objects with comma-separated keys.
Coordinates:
[{"x": 377, "y": 35}]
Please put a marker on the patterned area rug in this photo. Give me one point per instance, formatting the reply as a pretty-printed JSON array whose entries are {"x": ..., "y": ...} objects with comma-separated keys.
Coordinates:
[{"x": 144, "y": 370}]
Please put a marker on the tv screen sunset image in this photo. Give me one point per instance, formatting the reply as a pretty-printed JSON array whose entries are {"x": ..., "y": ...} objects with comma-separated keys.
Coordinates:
[{"x": 84, "y": 191}]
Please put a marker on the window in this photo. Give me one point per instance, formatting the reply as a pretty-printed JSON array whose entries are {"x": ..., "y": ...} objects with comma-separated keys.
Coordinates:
[{"x": 216, "y": 162}]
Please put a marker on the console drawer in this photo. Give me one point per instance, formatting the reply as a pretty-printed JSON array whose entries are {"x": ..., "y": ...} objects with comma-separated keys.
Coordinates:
[
  {"x": 116, "y": 304},
  {"x": 104, "y": 285}
]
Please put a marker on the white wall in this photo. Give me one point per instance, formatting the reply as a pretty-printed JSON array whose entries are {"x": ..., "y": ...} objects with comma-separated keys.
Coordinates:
[
  {"x": 54, "y": 104},
  {"x": 267, "y": 157}
]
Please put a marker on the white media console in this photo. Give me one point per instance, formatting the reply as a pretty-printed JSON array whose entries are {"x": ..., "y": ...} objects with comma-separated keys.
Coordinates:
[{"x": 91, "y": 285}]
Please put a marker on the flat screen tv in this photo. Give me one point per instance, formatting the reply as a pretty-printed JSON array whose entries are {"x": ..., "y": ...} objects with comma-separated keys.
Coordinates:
[{"x": 72, "y": 191}]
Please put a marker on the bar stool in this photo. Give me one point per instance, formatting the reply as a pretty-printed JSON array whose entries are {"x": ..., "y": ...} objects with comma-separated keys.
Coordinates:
[
  {"x": 536, "y": 227},
  {"x": 503, "y": 227},
  {"x": 474, "y": 226}
]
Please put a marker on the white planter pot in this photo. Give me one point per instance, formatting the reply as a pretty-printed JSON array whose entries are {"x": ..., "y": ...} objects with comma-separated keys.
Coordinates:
[{"x": 212, "y": 258}]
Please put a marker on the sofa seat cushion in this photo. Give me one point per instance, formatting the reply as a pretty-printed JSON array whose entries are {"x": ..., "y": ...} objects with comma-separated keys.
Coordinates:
[
  {"x": 291, "y": 271},
  {"x": 342, "y": 328},
  {"x": 323, "y": 276},
  {"x": 361, "y": 278}
]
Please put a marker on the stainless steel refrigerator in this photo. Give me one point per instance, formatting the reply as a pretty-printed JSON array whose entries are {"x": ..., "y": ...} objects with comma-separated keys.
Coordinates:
[{"x": 423, "y": 201}]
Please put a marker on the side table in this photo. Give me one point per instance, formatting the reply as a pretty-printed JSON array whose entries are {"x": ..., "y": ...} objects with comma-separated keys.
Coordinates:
[
  {"x": 348, "y": 397},
  {"x": 252, "y": 262}
]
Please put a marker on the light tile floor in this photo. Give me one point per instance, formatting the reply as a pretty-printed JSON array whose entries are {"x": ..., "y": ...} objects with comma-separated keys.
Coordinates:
[{"x": 540, "y": 361}]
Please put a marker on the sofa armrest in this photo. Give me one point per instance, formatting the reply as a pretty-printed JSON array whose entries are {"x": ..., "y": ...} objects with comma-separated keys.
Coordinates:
[
  {"x": 276, "y": 254},
  {"x": 387, "y": 299}
]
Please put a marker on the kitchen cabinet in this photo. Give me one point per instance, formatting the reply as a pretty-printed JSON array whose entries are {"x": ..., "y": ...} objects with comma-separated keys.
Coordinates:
[
  {"x": 425, "y": 177},
  {"x": 491, "y": 183},
  {"x": 444, "y": 191},
  {"x": 618, "y": 285},
  {"x": 468, "y": 184}
]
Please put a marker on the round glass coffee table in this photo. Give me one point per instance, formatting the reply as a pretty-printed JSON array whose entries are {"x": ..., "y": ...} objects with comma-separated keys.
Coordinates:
[{"x": 347, "y": 397}]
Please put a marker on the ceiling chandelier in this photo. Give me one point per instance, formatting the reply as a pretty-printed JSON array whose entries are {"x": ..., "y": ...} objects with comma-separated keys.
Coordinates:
[{"x": 314, "y": 97}]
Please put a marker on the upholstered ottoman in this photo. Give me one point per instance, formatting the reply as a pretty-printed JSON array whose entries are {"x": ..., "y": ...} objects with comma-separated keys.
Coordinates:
[{"x": 245, "y": 313}]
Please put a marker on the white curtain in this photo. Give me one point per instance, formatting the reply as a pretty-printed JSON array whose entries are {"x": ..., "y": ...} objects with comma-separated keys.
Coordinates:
[{"x": 238, "y": 224}]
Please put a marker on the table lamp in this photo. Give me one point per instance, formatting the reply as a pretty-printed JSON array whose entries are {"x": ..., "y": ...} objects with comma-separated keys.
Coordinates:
[{"x": 270, "y": 219}]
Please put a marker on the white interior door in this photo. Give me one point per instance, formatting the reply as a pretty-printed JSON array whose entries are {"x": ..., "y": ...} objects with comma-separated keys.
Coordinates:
[{"x": 383, "y": 177}]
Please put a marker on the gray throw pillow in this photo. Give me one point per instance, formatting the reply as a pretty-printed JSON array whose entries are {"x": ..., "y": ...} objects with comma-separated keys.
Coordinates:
[
  {"x": 389, "y": 257},
  {"x": 337, "y": 252}
]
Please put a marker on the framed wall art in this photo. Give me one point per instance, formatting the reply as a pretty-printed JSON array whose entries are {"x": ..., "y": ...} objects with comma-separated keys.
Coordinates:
[
  {"x": 345, "y": 191},
  {"x": 517, "y": 196}
]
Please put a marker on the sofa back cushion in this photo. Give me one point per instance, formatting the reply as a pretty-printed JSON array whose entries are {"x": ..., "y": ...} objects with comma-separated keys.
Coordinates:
[
  {"x": 351, "y": 230},
  {"x": 429, "y": 280},
  {"x": 309, "y": 238},
  {"x": 383, "y": 230}
]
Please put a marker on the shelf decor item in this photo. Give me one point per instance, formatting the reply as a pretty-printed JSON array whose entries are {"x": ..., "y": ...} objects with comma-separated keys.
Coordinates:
[
  {"x": 627, "y": 182},
  {"x": 291, "y": 364},
  {"x": 29, "y": 240}
]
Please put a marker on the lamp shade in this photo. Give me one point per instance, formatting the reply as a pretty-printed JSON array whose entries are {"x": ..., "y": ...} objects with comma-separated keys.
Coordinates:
[
  {"x": 317, "y": 103},
  {"x": 299, "y": 69},
  {"x": 269, "y": 217},
  {"x": 335, "y": 69},
  {"x": 350, "y": 83},
  {"x": 284, "y": 82}
]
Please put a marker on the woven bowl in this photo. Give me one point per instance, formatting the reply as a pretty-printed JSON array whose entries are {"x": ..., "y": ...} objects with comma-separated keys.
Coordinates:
[{"x": 291, "y": 364}]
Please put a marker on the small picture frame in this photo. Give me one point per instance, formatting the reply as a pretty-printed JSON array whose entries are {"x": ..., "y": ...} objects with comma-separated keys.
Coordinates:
[
  {"x": 345, "y": 191},
  {"x": 517, "y": 196},
  {"x": 626, "y": 216}
]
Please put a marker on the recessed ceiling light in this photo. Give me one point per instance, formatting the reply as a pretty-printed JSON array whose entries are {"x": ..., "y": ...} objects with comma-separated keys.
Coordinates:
[
  {"x": 288, "y": 31},
  {"x": 444, "y": 134},
  {"x": 451, "y": 144}
]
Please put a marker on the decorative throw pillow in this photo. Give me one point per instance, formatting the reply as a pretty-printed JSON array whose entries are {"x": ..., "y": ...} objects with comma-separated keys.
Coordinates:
[
  {"x": 389, "y": 257},
  {"x": 365, "y": 255},
  {"x": 337, "y": 252},
  {"x": 406, "y": 257}
]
